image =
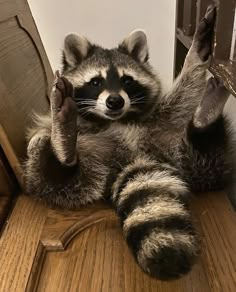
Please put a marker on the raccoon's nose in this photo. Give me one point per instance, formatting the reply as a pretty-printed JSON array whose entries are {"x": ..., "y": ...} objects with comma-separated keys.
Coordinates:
[{"x": 115, "y": 102}]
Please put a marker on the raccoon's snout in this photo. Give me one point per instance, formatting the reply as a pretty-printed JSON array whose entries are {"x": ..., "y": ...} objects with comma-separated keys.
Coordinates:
[{"x": 115, "y": 102}]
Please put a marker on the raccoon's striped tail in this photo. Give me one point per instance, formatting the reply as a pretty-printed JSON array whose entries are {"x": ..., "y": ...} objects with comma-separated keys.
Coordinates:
[{"x": 152, "y": 204}]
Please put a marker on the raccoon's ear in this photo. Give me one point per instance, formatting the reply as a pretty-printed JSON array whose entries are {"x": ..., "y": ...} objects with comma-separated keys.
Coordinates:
[
  {"x": 76, "y": 49},
  {"x": 135, "y": 44}
]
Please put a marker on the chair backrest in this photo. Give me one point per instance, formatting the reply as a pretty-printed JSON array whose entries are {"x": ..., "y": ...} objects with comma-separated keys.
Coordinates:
[
  {"x": 25, "y": 73},
  {"x": 223, "y": 63}
]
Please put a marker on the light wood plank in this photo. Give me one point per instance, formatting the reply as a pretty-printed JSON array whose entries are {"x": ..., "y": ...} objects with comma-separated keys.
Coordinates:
[
  {"x": 217, "y": 220},
  {"x": 19, "y": 242}
]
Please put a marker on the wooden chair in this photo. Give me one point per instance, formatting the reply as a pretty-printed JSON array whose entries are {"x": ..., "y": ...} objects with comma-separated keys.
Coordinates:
[{"x": 42, "y": 249}]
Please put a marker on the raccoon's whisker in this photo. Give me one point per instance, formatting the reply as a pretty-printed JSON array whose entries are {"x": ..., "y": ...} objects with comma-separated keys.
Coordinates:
[
  {"x": 139, "y": 95},
  {"x": 90, "y": 110},
  {"x": 137, "y": 101},
  {"x": 84, "y": 113},
  {"x": 84, "y": 109},
  {"x": 138, "y": 98},
  {"x": 140, "y": 102},
  {"x": 85, "y": 102},
  {"x": 85, "y": 105},
  {"x": 93, "y": 103}
]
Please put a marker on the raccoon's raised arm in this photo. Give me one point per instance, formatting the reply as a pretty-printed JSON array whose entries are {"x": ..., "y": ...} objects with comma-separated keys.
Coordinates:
[
  {"x": 189, "y": 86},
  {"x": 63, "y": 169}
]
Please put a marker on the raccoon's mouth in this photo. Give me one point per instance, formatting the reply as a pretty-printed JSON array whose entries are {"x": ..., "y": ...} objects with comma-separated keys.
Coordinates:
[
  {"x": 108, "y": 114},
  {"x": 114, "y": 115}
]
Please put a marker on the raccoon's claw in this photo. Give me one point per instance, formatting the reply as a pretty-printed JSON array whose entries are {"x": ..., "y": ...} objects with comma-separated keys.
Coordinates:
[
  {"x": 64, "y": 86},
  {"x": 204, "y": 33},
  {"x": 63, "y": 107},
  {"x": 214, "y": 86}
]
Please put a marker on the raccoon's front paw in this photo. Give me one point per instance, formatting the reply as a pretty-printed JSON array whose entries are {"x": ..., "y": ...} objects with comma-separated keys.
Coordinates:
[
  {"x": 64, "y": 121},
  {"x": 212, "y": 104},
  {"x": 204, "y": 34},
  {"x": 64, "y": 109}
]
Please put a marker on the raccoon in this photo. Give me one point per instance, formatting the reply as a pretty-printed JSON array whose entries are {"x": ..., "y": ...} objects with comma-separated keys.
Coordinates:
[{"x": 113, "y": 134}]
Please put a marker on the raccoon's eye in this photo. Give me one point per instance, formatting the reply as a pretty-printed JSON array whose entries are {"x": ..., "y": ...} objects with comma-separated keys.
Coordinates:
[
  {"x": 127, "y": 80},
  {"x": 96, "y": 81}
]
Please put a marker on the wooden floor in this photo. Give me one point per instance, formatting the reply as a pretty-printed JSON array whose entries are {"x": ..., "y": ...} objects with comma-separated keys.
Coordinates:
[{"x": 50, "y": 250}]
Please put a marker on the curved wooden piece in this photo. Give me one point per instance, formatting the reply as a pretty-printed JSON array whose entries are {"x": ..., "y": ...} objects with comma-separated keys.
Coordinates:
[
  {"x": 63, "y": 226},
  {"x": 25, "y": 73}
]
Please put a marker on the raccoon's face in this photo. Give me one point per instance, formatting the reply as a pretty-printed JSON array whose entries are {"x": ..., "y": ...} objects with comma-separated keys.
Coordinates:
[{"x": 111, "y": 84}]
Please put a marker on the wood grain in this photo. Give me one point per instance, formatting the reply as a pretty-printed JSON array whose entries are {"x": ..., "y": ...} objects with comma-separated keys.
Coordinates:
[
  {"x": 18, "y": 244},
  {"x": 218, "y": 220}
]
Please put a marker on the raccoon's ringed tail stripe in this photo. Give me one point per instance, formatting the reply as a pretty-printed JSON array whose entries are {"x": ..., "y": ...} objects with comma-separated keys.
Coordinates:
[
  {"x": 161, "y": 180},
  {"x": 131, "y": 177},
  {"x": 138, "y": 165},
  {"x": 153, "y": 210}
]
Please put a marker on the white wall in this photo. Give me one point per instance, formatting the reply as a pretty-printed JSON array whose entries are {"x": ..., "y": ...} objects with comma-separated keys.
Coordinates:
[{"x": 107, "y": 22}]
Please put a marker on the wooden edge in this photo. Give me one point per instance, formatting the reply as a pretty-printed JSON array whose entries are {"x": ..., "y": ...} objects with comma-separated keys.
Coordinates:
[
  {"x": 185, "y": 40},
  {"x": 224, "y": 72},
  {"x": 36, "y": 269},
  {"x": 11, "y": 156}
]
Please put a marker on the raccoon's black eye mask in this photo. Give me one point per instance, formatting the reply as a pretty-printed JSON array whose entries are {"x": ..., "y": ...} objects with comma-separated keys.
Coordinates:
[
  {"x": 96, "y": 81},
  {"x": 127, "y": 80},
  {"x": 90, "y": 90}
]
